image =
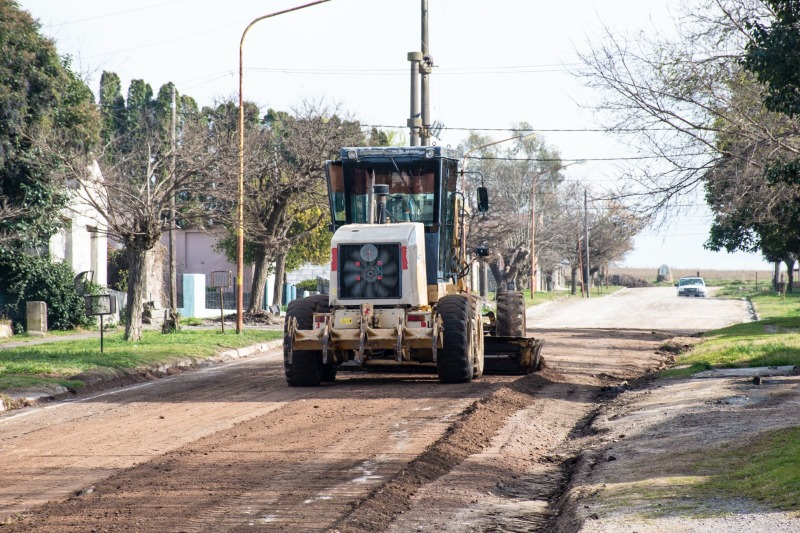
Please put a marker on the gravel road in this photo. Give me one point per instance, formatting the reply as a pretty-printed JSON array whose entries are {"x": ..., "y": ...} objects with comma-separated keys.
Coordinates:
[
  {"x": 645, "y": 308},
  {"x": 231, "y": 447}
]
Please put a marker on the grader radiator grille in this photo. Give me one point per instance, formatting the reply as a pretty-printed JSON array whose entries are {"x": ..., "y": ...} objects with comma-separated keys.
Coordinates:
[{"x": 369, "y": 271}]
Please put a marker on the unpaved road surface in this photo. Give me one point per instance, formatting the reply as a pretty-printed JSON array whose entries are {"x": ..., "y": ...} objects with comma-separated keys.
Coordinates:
[{"x": 232, "y": 448}]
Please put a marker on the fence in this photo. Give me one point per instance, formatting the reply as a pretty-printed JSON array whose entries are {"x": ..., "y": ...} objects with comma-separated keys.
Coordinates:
[{"x": 228, "y": 299}]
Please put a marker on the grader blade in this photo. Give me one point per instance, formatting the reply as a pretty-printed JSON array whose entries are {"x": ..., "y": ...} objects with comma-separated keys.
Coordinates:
[{"x": 512, "y": 355}]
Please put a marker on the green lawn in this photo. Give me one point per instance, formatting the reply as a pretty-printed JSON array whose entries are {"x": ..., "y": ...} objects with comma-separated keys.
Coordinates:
[
  {"x": 59, "y": 362},
  {"x": 774, "y": 340},
  {"x": 764, "y": 469}
]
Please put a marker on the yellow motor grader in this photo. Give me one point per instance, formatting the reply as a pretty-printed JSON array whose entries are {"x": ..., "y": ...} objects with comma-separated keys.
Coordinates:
[{"x": 398, "y": 293}]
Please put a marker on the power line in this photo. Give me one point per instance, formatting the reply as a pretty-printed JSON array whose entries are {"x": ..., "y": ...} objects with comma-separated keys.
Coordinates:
[
  {"x": 115, "y": 13},
  {"x": 455, "y": 71},
  {"x": 166, "y": 41},
  {"x": 533, "y": 130},
  {"x": 576, "y": 159}
]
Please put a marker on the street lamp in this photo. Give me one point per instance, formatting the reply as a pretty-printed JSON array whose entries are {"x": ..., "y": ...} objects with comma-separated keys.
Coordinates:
[
  {"x": 240, "y": 202},
  {"x": 466, "y": 155}
]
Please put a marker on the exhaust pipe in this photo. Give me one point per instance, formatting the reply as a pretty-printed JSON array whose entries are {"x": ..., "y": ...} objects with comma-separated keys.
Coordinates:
[{"x": 381, "y": 191}]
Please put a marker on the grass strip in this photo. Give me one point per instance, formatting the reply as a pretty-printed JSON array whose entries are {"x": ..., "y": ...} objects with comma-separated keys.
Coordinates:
[
  {"x": 59, "y": 362},
  {"x": 764, "y": 469},
  {"x": 772, "y": 341}
]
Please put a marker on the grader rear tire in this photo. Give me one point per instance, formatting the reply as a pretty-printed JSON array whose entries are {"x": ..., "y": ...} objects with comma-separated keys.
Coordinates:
[
  {"x": 510, "y": 314},
  {"x": 454, "y": 362},
  {"x": 306, "y": 369}
]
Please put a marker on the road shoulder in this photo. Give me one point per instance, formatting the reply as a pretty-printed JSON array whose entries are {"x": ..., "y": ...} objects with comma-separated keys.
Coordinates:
[{"x": 645, "y": 467}]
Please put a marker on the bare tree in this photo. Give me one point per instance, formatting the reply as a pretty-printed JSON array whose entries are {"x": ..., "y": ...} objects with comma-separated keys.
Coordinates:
[
  {"x": 284, "y": 179},
  {"x": 516, "y": 173},
  {"x": 131, "y": 193},
  {"x": 686, "y": 103}
]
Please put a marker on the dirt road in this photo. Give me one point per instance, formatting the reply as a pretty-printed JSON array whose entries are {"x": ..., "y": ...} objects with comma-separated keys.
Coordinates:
[{"x": 232, "y": 447}]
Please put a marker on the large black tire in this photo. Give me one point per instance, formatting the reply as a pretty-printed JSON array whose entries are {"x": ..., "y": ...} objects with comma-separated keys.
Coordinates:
[
  {"x": 510, "y": 314},
  {"x": 306, "y": 369},
  {"x": 454, "y": 361},
  {"x": 328, "y": 372}
]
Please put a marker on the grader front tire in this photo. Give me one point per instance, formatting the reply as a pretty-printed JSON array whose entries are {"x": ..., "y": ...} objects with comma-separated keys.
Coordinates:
[
  {"x": 454, "y": 362},
  {"x": 306, "y": 369}
]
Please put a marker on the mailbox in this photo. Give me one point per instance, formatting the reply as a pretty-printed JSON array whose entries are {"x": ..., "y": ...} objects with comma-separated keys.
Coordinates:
[{"x": 100, "y": 304}]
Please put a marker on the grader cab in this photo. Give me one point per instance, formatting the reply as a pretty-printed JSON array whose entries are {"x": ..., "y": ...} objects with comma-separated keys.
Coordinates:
[{"x": 398, "y": 293}]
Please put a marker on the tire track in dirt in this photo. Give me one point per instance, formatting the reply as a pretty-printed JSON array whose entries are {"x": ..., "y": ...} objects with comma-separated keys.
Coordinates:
[
  {"x": 365, "y": 453},
  {"x": 515, "y": 483},
  {"x": 52, "y": 451},
  {"x": 295, "y": 468}
]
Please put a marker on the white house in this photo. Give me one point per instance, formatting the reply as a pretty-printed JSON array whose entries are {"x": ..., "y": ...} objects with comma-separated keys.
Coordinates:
[{"x": 82, "y": 242}]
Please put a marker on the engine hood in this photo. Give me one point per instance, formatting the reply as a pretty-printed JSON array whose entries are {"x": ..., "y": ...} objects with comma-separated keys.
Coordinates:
[{"x": 382, "y": 264}]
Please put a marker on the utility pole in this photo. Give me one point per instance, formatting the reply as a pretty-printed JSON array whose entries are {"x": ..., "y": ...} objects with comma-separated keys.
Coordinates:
[
  {"x": 533, "y": 234},
  {"x": 414, "y": 121},
  {"x": 586, "y": 237},
  {"x": 173, "y": 276},
  {"x": 425, "y": 68}
]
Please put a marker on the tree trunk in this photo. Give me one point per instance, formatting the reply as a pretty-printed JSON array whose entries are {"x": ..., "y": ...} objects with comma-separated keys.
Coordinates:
[
  {"x": 260, "y": 275},
  {"x": 776, "y": 276},
  {"x": 497, "y": 274},
  {"x": 483, "y": 279},
  {"x": 574, "y": 280},
  {"x": 280, "y": 273},
  {"x": 789, "y": 273},
  {"x": 137, "y": 272}
]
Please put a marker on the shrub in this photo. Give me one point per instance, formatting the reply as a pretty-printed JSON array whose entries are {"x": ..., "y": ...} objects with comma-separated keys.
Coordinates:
[
  {"x": 25, "y": 278},
  {"x": 307, "y": 285},
  {"x": 118, "y": 269}
]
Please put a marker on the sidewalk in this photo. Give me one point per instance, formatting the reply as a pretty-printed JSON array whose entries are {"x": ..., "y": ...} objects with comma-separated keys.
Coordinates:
[{"x": 30, "y": 341}]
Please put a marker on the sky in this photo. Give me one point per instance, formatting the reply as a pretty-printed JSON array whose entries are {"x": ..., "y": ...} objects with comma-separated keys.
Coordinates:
[{"x": 497, "y": 63}]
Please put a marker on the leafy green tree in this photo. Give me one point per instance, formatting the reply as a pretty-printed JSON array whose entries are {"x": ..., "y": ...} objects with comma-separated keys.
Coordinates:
[
  {"x": 112, "y": 106},
  {"x": 39, "y": 96},
  {"x": 773, "y": 55},
  {"x": 694, "y": 102}
]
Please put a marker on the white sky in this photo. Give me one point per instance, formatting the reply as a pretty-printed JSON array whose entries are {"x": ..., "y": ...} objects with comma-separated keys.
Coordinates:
[{"x": 498, "y": 62}]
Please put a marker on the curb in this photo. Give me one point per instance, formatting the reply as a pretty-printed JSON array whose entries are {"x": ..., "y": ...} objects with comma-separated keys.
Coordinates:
[{"x": 247, "y": 351}]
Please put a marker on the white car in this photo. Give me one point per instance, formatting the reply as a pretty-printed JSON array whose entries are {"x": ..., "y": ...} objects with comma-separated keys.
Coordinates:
[{"x": 691, "y": 287}]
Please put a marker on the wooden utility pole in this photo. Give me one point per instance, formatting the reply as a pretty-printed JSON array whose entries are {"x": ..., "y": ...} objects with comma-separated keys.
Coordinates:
[
  {"x": 533, "y": 234},
  {"x": 586, "y": 237},
  {"x": 173, "y": 276}
]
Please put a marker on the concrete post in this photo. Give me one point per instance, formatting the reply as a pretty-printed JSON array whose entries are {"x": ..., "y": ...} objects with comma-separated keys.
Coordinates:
[{"x": 36, "y": 318}]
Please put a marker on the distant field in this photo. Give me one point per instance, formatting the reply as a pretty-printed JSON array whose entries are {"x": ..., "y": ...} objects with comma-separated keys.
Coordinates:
[{"x": 650, "y": 274}]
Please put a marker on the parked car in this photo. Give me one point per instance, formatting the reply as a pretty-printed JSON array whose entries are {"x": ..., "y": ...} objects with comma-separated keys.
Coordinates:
[{"x": 691, "y": 287}]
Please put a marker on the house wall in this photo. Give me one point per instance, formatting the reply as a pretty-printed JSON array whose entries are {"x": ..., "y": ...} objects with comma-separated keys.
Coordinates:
[
  {"x": 82, "y": 243},
  {"x": 195, "y": 254}
]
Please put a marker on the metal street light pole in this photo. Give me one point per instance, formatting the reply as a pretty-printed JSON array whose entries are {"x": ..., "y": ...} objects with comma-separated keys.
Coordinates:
[
  {"x": 466, "y": 155},
  {"x": 240, "y": 202}
]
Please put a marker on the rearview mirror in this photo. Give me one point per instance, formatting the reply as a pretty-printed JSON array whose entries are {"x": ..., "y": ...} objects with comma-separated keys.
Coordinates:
[
  {"x": 483, "y": 199},
  {"x": 482, "y": 251}
]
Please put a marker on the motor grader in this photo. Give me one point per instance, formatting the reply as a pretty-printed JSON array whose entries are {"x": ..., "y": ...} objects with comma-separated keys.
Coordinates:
[{"x": 398, "y": 294}]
